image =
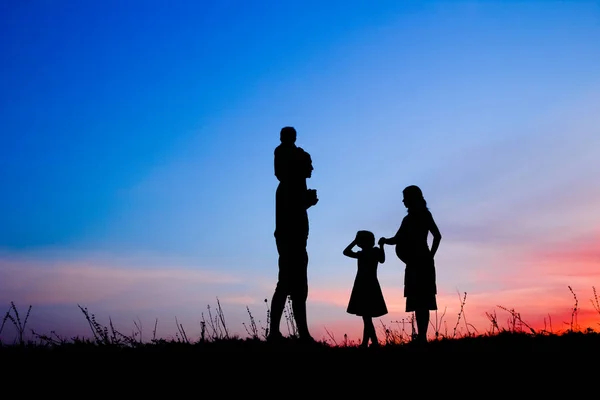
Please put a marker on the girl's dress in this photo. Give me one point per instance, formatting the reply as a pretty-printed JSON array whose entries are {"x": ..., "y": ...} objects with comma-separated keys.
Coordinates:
[
  {"x": 366, "y": 298},
  {"x": 420, "y": 286}
]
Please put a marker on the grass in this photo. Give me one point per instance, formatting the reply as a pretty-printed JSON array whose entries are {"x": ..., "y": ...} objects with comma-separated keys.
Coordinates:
[{"x": 216, "y": 337}]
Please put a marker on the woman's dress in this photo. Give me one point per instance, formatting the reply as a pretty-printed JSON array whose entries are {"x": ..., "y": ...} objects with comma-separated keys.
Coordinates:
[{"x": 420, "y": 286}]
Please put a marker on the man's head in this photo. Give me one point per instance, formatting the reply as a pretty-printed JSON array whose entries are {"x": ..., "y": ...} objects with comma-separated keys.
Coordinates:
[
  {"x": 287, "y": 135},
  {"x": 306, "y": 165}
]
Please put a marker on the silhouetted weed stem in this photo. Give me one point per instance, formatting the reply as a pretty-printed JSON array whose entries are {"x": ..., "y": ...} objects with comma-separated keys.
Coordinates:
[
  {"x": 516, "y": 319},
  {"x": 138, "y": 326},
  {"x": 222, "y": 318},
  {"x": 182, "y": 333},
  {"x": 154, "y": 331},
  {"x": 53, "y": 339},
  {"x": 217, "y": 325},
  {"x": 253, "y": 330},
  {"x": 16, "y": 321},
  {"x": 105, "y": 335},
  {"x": 438, "y": 322},
  {"x": 460, "y": 313},
  {"x": 4, "y": 320},
  {"x": 331, "y": 337},
  {"x": 290, "y": 321},
  {"x": 494, "y": 320},
  {"x": 594, "y": 301},
  {"x": 549, "y": 323},
  {"x": 574, "y": 325},
  {"x": 266, "y": 328}
]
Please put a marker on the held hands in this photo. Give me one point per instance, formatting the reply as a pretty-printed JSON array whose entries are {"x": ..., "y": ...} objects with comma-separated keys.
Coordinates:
[{"x": 381, "y": 241}]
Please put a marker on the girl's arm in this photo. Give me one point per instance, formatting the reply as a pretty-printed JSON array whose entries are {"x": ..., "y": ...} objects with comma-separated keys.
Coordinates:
[
  {"x": 437, "y": 236},
  {"x": 381, "y": 254},
  {"x": 348, "y": 252}
]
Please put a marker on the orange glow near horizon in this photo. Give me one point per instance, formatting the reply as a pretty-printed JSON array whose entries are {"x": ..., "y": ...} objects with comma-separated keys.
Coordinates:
[
  {"x": 485, "y": 313},
  {"x": 552, "y": 291}
]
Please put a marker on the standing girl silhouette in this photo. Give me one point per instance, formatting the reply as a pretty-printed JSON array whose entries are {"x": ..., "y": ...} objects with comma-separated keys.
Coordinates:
[
  {"x": 412, "y": 249},
  {"x": 366, "y": 298}
]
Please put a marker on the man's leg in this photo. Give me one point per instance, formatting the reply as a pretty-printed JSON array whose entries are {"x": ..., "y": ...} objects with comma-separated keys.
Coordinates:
[
  {"x": 300, "y": 289},
  {"x": 281, "y": 289}
]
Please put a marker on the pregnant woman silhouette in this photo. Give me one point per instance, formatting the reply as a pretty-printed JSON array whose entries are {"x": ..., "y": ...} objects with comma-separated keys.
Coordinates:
[{"x": 412, "y": 249}]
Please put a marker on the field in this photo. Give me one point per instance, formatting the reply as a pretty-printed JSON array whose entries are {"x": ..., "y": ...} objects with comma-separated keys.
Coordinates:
[
  {"x": 517, "y": 336},
  {"x": 512, "y": 358}
]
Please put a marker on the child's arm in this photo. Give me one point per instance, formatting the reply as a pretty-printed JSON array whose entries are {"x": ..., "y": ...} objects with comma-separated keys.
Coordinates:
[{"x": 348, "y": 252}]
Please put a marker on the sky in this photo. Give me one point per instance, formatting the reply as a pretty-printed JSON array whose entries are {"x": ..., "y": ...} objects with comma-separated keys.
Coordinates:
[{"x": 136, "y": 162}]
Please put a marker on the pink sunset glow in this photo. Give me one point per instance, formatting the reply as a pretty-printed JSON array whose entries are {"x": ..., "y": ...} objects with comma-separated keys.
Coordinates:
[{"x": 137, "y": 159}]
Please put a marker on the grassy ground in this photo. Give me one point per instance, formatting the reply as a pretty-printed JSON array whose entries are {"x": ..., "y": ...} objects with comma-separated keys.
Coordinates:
[
  {"x": 516, "y": 338},
  {"x": 514, "y": 360},
  {"x": 216, "y": 338},
  {"x": 503, "y": 342}
]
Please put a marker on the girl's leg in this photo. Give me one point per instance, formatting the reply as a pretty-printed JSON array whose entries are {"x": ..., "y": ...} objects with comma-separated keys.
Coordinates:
[
  {"x": 422, "y": 317},
  {"x": 366, "y": 332},
  {"x": 370, "y": 330},
  {"x": 374, "y": 341}
]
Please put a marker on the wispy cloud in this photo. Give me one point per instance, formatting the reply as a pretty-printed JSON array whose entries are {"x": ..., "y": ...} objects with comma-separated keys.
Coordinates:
[
  {"x": 142, "y": 289},
  {"x": 86, "y": 282},
  {"x": 581, "y": 254}
]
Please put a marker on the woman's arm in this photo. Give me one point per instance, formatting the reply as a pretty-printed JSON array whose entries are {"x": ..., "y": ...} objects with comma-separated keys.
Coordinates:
[
  {"x": 393, "y": 239},
  {"x": 437, "y": 236},
  {"x": 348, "y": 252}
]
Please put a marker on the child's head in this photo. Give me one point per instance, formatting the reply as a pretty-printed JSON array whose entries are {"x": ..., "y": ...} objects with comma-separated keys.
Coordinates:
[
  {"x": 287, "y": 134},
  {"x": 365, "y": 239}
]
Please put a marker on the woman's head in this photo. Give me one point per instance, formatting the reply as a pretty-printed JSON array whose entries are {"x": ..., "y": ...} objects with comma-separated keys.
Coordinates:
[
  {"x": 365, "y": 239},
  {"x": 413, "y": 198}
]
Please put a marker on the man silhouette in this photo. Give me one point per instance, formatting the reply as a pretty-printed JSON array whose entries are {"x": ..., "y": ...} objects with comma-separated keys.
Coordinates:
[{"x": 293, "y": 166}]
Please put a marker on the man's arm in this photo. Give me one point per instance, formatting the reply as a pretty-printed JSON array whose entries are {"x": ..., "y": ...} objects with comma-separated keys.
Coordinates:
[{"x": 311, "y": 198}]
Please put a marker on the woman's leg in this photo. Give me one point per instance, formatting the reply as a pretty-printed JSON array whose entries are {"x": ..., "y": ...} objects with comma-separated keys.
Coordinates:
[{"x": 422, "y": 317}]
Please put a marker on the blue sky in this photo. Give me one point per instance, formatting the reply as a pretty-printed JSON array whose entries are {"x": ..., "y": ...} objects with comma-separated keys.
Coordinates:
[{"x": 137, "y": 168}]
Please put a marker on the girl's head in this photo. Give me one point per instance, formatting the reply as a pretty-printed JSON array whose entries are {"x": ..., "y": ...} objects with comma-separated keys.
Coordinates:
[
  {"x": 365, "y": 239},
  {"x": 413, "y": 198}
]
